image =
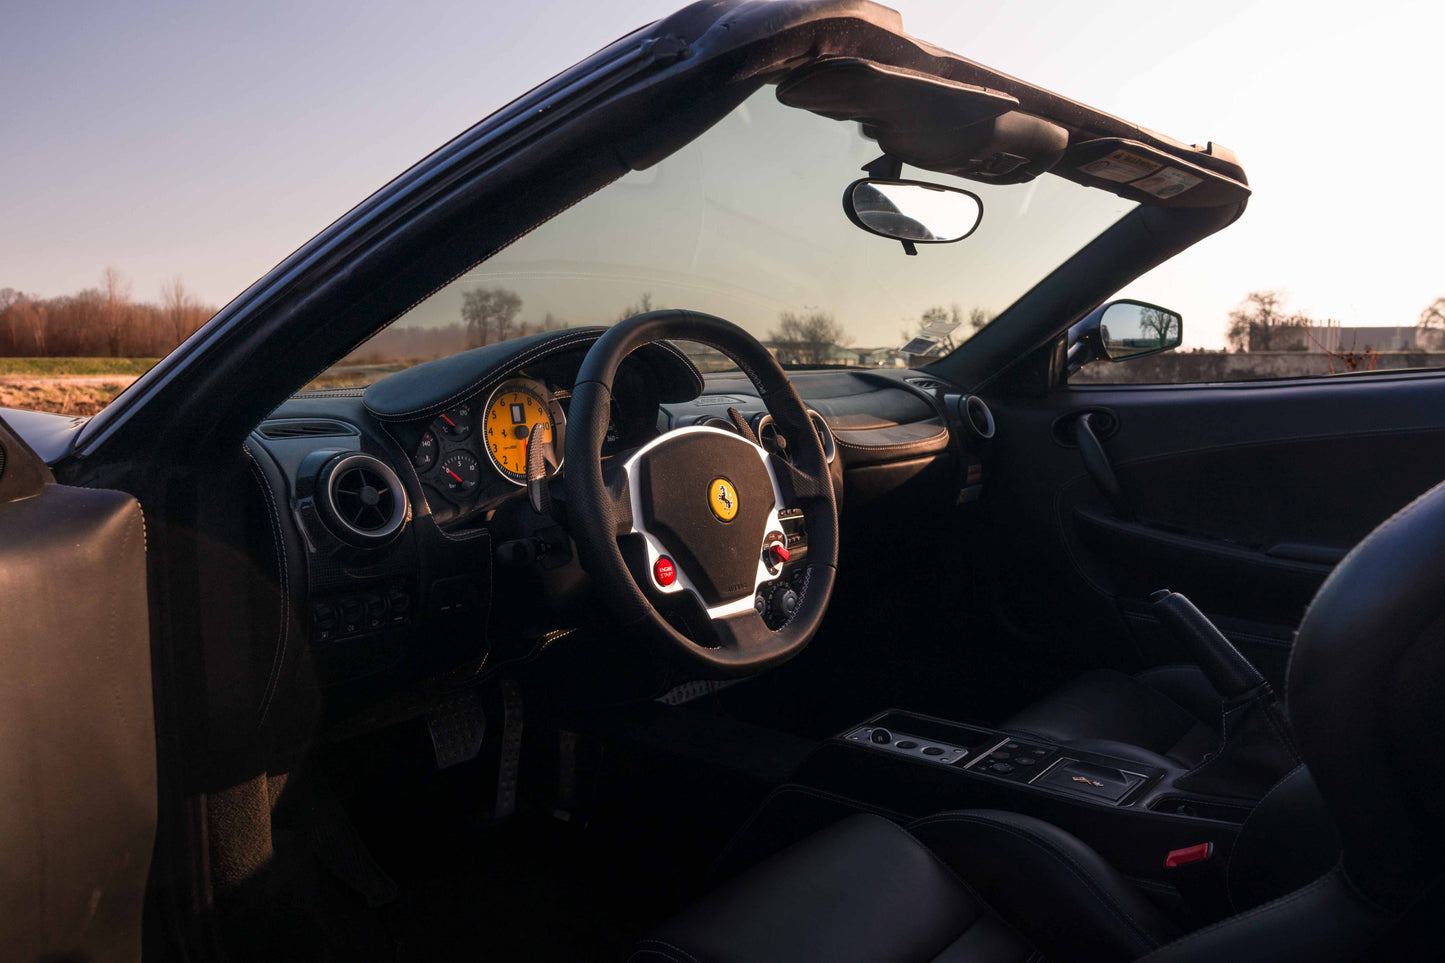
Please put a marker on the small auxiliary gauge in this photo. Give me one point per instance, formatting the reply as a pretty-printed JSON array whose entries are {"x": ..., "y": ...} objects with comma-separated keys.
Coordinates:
[
  {"x": 456, "y": 423},
  {"x": 460, "y": 472},
  {"x": 426, "y": 452}
]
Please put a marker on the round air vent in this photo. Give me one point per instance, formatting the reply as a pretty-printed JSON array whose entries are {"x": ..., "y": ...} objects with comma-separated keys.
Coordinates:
[
  {"x": 769, "y": 438},
  {"x": 978, "y": 417},
  {"x": 361, "y": 499},
  {"x": 713, "y": 421}
]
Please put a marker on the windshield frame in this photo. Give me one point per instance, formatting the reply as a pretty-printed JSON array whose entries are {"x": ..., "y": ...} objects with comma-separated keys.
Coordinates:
[{"x": 514, "y": 170}]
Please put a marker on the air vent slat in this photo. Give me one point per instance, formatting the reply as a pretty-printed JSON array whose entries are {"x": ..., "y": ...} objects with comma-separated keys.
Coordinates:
[{"x": 282, "y": 428}]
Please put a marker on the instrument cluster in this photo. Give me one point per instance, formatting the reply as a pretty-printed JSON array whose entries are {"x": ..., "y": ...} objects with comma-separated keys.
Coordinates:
[
  {"x": 474, "y": 454},
  {"x": 480, "y": 446}
]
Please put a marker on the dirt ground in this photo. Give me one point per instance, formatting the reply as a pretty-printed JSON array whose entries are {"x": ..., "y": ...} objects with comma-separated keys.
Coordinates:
[{"x": 66, "y": 396}]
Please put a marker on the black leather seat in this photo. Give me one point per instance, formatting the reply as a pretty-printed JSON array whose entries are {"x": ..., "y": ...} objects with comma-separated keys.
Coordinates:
[
  {"x": 866, "y": 890},
  {"x": 985, "y": 886},
  {"x": 1166, "y": 715}
]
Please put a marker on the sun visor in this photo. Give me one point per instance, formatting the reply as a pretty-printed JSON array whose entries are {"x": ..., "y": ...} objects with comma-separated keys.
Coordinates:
[
  {"x": 1148, "y": 175},
  {"x": 929, "y": 122}
]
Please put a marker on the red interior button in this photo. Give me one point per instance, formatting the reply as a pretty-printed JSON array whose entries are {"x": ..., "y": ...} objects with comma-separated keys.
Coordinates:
[
  {"x": 1189, "y": 854},
  {"x": 664, "y": 571}
]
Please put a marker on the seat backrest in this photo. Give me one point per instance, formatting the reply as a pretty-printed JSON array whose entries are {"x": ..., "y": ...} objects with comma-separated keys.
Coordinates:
[{"x": 1366, "y": 697}]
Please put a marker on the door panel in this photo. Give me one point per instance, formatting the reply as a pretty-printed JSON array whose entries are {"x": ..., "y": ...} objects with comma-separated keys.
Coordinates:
[
  {"x": 1243, "y": 497},
  {"x": 77, "y": 740}
]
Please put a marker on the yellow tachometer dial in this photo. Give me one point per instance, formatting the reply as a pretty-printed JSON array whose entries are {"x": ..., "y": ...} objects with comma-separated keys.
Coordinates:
[{"x": 511, "y": 413}]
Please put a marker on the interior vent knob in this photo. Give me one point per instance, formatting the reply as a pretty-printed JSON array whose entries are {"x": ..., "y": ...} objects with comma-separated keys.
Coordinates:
[{"x": 361, "y": 499}]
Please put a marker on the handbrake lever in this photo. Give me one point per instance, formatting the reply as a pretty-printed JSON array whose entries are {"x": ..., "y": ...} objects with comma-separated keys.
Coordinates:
[
  {"x": 1257, "y": 748},
  {"x": 1225, "y": 666}
]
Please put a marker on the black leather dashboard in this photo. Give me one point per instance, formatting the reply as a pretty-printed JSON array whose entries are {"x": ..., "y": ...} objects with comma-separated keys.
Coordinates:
[{"x": 420, "y": 603}]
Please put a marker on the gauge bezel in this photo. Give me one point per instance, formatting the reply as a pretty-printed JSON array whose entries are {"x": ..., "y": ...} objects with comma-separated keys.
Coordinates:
[
  {"x": 436, "y": 452},
  {"x": 459, "y": 494},
  {"x": 554, "y": 411},
  {"x": 435, "y": 425}
]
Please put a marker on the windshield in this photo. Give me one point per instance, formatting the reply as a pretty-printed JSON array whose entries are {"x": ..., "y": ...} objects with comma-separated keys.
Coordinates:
[{"x": 747, "y": 223}]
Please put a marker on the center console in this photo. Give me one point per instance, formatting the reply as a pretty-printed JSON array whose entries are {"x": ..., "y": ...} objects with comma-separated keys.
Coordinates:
[
  {"x": 906, "y": 765},
  {"x": 996, "y": 755}
]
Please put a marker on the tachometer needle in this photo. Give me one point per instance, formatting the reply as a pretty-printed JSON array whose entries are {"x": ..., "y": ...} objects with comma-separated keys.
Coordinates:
[
  {"x": 455, "y": 475},
  {"x": 449, "y": 421}
]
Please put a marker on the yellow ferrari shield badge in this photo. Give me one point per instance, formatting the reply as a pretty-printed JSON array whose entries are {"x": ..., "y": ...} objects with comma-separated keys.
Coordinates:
[{"x": 722, "y": 498}]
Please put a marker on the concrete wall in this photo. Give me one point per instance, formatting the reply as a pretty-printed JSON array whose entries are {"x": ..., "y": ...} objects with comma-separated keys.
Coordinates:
[{"x": 1175, "y": 367}]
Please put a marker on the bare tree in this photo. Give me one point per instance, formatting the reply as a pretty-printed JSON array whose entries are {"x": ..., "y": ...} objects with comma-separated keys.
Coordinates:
[
  {"x": 643, "y": 305},
  {"x": 1163, "y": 325},
  {"x": 1434, "y": 314},
  {"x": 115, "y": 311},
  {"x": 1259, "y": 322},
  {"x": 489, "y": 313},
  {"x": 181, "y": 309},
  {"x": 30, "y": 325},
  {"x": 807, "y": 338}
]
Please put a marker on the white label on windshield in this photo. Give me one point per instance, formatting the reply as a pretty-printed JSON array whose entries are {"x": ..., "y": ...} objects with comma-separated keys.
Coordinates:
[
  {"x": 1121, "y": 166},
  {"x": 1168, "y": 182}
]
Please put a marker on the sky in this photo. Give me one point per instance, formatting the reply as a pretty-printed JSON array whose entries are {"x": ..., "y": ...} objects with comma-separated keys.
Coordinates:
[{"x": 208, "y": 141}]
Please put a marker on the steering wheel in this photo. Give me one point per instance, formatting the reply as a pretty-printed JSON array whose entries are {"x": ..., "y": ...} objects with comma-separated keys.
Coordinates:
[{"x": 690, "y": 520}]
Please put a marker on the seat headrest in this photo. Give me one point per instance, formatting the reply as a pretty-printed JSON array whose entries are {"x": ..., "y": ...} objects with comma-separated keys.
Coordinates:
[{"x": 1366, "y": 696}]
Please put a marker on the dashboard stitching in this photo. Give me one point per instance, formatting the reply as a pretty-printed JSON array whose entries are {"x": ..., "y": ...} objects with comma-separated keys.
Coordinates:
[
  {"x": 681, "y": 355},
  {"x": 897, "y": 446},
  {"x": 265, "y": 485}
]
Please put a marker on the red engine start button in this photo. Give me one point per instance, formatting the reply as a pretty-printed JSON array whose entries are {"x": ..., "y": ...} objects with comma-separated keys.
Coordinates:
[{"x": 664, "y": 571}]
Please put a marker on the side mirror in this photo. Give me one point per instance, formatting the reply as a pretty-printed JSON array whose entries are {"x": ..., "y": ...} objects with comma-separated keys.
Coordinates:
[
  {"x": 914, "y": 212},
  {"x": 1121, "y": 330}
]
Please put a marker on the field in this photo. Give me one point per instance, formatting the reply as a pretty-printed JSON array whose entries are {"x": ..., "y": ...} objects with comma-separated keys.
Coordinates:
[
  {"x": 59, "y": 397},
  {"x": 66, "y": 386},
  {"x": 72, "y": 367}
]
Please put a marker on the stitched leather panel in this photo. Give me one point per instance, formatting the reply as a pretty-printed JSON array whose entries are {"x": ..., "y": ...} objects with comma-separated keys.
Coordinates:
[
  {"x": 1063, "y": 895},
  {"x": 1108, "y": 706},
  {"x": 861, "y": 891}
]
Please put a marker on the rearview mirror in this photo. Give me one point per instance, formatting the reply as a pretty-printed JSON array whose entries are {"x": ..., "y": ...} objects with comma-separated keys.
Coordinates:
[
  {"x": 912, "y": 211},
  {"x": 1129, "y": 329}
]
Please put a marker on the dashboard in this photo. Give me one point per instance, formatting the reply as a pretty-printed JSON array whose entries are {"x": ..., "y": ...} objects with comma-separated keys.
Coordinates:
[{"x": 416, "y": 554}]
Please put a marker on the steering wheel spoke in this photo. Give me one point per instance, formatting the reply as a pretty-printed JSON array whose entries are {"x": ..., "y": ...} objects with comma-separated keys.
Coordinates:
[
  {"x": 617, "y": 490},
  {"x": 796, "y": 486},
  {"x": 740, "y": 634}
]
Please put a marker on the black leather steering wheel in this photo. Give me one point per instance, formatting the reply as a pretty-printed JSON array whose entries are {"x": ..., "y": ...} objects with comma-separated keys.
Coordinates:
[{"x": 688, "y": 521}]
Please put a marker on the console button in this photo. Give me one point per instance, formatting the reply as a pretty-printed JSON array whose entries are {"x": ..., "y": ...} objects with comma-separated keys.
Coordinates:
[
  {"x": 881, "y": 736},
  {"x": 664, "y": 571},
  {"x": 1001, "y": 755},
  {"x": 907, "y": 744},
  {"x": 1001, "y": 767},
  {"x": 932, "y": 751},
  {"x": 375, "y": 610},
  {"x": 1026, "y": 761}
]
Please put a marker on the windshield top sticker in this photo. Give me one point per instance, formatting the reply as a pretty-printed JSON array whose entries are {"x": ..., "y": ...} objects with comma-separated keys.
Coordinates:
[
  {"x": 1168, "y": 182},
  {"x": 1121, "y": 166}
]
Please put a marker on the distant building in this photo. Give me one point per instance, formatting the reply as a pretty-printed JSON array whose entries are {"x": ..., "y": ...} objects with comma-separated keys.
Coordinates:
[{"x": 1329, "y": 337}]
